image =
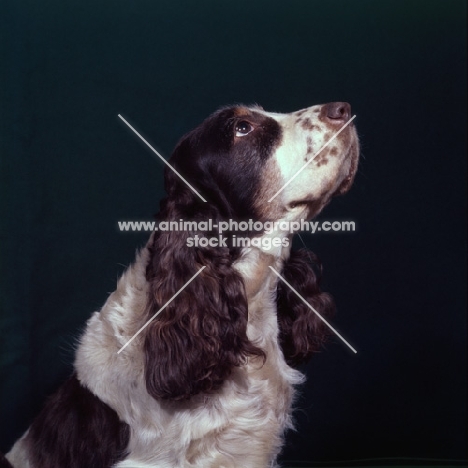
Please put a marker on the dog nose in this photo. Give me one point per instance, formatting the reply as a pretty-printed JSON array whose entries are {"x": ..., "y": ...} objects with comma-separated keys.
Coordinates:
[{"x": 338, "y": 111}]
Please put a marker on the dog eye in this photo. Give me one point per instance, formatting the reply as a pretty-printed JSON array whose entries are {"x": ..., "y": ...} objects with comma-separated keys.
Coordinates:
[{"x": 243, "y": 128}]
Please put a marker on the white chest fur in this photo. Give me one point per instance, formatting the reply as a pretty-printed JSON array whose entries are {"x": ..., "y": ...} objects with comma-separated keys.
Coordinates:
[{"x": 252, "y": 409}]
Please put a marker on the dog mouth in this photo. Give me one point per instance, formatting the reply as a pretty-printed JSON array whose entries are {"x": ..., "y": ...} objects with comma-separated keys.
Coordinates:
[
  {"x": 299, "y": 204},
  {"x": 312, "y": 205}
]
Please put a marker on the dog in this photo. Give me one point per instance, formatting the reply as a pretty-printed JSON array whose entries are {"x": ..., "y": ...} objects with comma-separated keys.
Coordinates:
[{"x": 192, "y": 361}]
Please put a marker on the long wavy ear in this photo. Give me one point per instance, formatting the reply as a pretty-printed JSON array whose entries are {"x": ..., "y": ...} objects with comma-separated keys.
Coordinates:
[
  {"x": 200, "y": 336},
  {"x": 302, "y": 332}
]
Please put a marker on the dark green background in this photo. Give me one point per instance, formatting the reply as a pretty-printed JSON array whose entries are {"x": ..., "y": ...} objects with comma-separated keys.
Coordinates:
[{"x": 70, "y": 169}]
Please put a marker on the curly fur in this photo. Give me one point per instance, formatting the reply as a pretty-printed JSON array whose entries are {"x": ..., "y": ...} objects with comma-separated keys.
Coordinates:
[{"x": 210, "y": 381}]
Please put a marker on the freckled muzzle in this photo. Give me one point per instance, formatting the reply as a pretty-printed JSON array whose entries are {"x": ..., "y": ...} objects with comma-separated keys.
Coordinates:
[
  {"x": 335, "y": 115},
  {"x": 338, "y": 114}
]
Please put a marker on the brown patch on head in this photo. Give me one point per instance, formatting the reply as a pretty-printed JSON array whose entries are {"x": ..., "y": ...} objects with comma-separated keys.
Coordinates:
[
  {"x": 328, "y": 135},
  {"x": 242, "y": 111},
  {"x": 301, "y": 112},
  {"x": 307, "y": 124},
  {"x": 321, "y": 160},
  {"x": 334, "y": 151},
  {"x": 298, "y": 120},
  {"x": 309, "y": 145},
  {"x": 270, "y": 183}
]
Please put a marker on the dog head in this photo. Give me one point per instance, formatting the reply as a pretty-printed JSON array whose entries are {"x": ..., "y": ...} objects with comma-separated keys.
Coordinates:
[
  {"x": 268, "y": 166},
  {"x": 246, "y": 164}
]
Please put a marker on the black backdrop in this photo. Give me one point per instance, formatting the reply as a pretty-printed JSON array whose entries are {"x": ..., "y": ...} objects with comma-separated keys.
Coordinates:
[{"x": 70, "y": 169}]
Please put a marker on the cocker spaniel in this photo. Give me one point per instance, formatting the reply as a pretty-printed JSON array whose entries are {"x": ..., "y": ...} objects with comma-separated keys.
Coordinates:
[{"x": 209, "y": 381}]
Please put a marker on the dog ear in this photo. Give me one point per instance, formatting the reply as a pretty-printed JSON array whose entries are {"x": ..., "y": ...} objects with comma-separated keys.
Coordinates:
[
  {"x": 201, "y": 335},
  {"x": 302, "y": 332}
]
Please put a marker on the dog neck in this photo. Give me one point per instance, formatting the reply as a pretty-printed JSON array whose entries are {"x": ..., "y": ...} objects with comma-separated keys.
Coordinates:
[{"x": 255, "y": 266}]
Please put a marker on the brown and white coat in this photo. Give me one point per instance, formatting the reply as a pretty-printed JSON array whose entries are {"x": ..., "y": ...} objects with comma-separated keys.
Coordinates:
[{"x": 210, "y": 381}]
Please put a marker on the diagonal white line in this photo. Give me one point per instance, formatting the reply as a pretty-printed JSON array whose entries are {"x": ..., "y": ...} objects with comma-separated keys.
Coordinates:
[
  {"x": 161, "y": 309},
  {"x": 310, "y": 307},
  {"x": 312, "y": 158},
  {"x": 160, "y": 157}
]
